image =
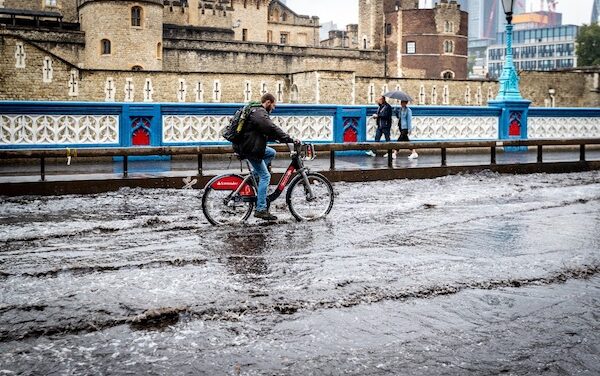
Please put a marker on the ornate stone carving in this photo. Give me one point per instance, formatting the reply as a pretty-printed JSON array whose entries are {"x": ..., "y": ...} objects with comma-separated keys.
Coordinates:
[
  {"x": 563, "y": 127},
  {"x": 182, "y": 129},
  {"x": 444, "y": 128},
  {"x": 58, "y": 129}
]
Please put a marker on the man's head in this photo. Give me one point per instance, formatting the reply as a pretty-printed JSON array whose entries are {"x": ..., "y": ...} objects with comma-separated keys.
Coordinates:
[
  {"x": 268, "y": 102},
  {"x": 403, "y": 103},
  {"x": 381, "y": 100}
]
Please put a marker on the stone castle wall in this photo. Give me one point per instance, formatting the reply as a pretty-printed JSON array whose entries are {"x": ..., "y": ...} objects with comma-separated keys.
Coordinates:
[
  {"x": 247, "y": 57},
  {"x": 26, "y": 82}
]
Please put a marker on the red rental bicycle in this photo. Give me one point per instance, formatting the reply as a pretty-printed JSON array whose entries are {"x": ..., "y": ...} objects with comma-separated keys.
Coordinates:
[{"x": 230, "y": 198}]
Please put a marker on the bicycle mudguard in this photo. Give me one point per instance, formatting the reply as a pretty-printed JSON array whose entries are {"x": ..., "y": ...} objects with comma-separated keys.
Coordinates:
[{"x": 230, "y": 183}]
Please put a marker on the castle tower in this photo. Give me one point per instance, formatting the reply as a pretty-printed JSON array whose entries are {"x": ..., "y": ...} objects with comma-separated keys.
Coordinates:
[
  {"x": 370, "y": 24},
  {"x": 122, "y": 35},
  {"x": 253, "y": 17}
]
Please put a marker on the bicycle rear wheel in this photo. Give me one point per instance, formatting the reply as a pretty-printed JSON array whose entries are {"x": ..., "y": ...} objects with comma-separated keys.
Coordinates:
[
  {"x": 221, "y": 207},
  {"x": 305, "y": 208}
]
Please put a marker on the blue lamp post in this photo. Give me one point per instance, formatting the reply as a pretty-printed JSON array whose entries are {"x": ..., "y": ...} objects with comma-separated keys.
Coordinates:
[
  {"x": 509, "y": 81},
  {"x": 513, "y": 119}
]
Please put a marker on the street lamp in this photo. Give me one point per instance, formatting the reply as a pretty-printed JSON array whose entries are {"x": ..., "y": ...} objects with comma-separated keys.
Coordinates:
[{"x": 509, "y": 81}]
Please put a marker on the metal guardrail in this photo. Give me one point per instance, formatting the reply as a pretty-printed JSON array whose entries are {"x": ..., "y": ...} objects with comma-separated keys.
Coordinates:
[{"x": 200, "y": 151}]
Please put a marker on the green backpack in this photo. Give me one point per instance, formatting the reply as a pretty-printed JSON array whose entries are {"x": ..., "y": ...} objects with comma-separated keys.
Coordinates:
[{"x": 234, "y": 132}]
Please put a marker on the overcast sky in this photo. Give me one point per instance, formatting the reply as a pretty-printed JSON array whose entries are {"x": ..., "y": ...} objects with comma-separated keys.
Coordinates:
[{"x": 343, "y": 12}]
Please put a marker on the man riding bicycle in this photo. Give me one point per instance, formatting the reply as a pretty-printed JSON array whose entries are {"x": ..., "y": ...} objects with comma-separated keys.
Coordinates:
[{"x": 259, "y": 130}]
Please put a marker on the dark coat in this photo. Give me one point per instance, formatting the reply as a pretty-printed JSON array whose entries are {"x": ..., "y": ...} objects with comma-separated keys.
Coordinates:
[
  {"x": 259, "y": 129},
  {"x": 384, "y": 115}
]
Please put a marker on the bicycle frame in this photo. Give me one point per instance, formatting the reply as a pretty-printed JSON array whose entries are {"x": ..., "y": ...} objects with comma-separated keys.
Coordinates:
[{"x": 296, "y": 167}]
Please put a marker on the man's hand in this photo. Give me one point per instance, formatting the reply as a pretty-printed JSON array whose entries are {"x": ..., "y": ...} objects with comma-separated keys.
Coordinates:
[{"x": 297, "y": 141}]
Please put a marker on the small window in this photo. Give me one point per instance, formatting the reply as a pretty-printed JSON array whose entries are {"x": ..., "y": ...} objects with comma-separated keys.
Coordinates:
[
  {"x": 448, "y": 47},
  {"x": 283, "y": 39},
  {"x": 137, "y": 68},
  {"x": 244, "y": 34},
  {"x": 388, "y": 29},
  {"x": 105, "y": 46},
  {"x": 136, "y": 16},
  {"x": 269, "y": 36},
  {"x": 159, "y": 50},
  {"x": 284, "y": 17},
  {"x": 411, "y": 47},
  {"x": 50, "y": 3}
]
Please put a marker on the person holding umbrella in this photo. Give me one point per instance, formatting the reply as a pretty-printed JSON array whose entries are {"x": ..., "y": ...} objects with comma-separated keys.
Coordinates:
[{"x": 404, "y": 115}]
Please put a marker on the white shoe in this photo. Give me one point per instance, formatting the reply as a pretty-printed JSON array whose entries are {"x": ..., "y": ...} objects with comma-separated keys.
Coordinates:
[
  {"x": 394, "y": 155},
  {"x": 370, "y": 153},
  {"x": 414, "y": 155}
]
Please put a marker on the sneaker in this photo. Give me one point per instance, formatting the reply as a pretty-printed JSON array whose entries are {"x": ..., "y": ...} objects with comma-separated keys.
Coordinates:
[
  {"x": 265, "y": 215},
  {"x": 394, "y": 155},
  {"x": 370, "y": 153},
  {"x": 414, "y": 155}
]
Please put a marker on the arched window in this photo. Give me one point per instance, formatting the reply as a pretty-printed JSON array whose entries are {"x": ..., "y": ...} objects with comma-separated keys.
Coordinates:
[
  {"x": 137, "y": 68},
  {"x": 136, "y": 16},
  {"x": 275, "y": 15},
  {"x": 447, "y": 75},
  {"x": 294, "y": 94},
  {"x": 159, "y": 50},
  {"x": 105, "y": 47},
  {"x": 284, "y": 17},
  {"x": 448, "y": 46}
]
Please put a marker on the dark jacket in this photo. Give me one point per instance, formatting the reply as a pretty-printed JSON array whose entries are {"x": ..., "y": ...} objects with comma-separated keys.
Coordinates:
[
  {"x": 384, "y": 115},
  {"x": 259, "y": 129}
]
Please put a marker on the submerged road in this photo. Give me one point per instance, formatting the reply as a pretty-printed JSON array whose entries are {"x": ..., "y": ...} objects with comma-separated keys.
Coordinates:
[{"x": 470, "y": 274}]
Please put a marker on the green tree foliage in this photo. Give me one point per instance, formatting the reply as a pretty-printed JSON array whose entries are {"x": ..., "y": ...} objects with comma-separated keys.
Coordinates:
[{"x": 588, "y": 45}]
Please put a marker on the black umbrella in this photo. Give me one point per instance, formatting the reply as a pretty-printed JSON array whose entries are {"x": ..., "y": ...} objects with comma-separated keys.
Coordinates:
[{"x": 398, "y": 94}]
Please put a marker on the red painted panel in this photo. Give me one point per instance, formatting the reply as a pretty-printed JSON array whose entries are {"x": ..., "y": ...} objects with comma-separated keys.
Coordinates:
[
  {"x": 350, "y": 135},
  {"x": 140, "y": 137}
]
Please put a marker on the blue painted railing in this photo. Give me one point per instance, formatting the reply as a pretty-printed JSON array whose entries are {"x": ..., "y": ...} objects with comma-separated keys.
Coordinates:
[{"x": 89, "y": 124}]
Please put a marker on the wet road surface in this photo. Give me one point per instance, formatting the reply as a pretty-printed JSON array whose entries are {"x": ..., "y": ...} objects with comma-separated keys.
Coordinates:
[{"x": 469, "y": 274}]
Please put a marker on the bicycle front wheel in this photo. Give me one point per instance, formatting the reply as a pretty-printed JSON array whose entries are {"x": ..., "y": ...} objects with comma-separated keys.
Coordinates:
[
  {"x": 303, "y": 205},
  {"x": 221, "y": 207}
]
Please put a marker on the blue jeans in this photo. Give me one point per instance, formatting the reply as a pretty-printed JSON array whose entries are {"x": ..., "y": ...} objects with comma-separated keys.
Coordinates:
[
  {"x": 385, "y": 131},
  {"x": 260, "y": 170}
]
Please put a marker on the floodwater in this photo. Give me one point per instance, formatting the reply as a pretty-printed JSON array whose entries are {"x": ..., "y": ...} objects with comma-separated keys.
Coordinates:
[{"x": 464, "y": 275}]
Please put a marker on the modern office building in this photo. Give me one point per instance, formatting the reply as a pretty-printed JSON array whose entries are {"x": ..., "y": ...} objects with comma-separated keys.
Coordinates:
[
  {"x": 486, "y": 19},
  {"x": 543, "y": 49},
  {"x": 596, "y": 12}
]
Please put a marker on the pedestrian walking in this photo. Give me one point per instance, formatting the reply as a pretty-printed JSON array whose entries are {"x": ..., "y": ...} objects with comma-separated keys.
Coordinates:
[
  {"x": 404, "y": 114},
  {"x": 384, "y": 122}
]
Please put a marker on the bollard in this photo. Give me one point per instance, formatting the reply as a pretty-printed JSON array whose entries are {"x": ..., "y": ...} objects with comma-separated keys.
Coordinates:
[
  {"x": 332, "y": 160},
  {"x": 493, "y": 157},
  {"x": 582, "y": 153},
  {"x": 199, "y": 164},
  {"x": 444, "y": 157},
  {"x": 540, "y": 156},
  {"x": 43, "y": 168},
  {"x": 389, "y": 157},
  {"x": 125, "y": 173}
]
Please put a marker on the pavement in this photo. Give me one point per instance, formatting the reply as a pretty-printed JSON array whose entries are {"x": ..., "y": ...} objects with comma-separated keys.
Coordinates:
[{"x": 82, "y": 169}]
